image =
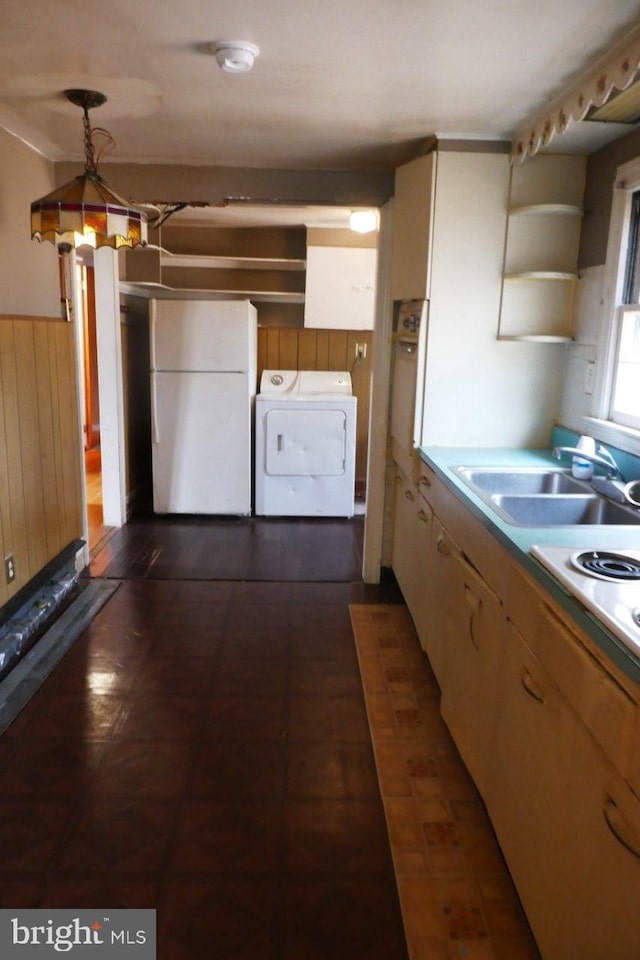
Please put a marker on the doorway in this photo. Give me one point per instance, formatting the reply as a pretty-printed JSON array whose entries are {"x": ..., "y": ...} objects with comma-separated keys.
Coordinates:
[
  {"x": 276, "y": 350},
  {"x": 92, "y": 453}
]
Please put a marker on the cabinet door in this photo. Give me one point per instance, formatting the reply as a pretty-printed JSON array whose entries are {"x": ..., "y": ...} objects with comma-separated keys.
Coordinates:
[
  {"x": 528, "y": 796},
  {"x": 423, "y": 589},
  {"x": 404, "y": 551},
  {"x": 441, "y": 550},
  {"x": 604, "y": 707},
  {"x": 412, "y": 228},
  {"x": 598, "y": 882},
  {"x": 471, "y": 681},
  {"x": 340, "y": 287}
]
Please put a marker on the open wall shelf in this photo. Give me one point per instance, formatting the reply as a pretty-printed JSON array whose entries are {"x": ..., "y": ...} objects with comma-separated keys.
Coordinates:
[{"x": 544, "y": 216}]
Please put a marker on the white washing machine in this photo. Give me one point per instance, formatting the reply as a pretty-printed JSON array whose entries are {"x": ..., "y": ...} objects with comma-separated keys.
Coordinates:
[{"x": 305, "y": 444}]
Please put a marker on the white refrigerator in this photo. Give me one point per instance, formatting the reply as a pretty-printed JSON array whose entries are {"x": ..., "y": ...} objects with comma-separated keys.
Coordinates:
[{"x": 203, "y": 386}]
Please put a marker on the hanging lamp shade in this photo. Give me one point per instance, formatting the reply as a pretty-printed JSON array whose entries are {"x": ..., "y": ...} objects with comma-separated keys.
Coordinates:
[{"x": 85, "y": 211}]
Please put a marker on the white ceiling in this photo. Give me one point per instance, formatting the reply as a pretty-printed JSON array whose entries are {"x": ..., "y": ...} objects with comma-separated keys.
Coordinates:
[{"x": 338, "y": 84}]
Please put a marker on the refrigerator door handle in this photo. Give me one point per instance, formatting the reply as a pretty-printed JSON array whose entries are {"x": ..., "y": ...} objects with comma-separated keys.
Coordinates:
[
  {"x": 152, "y": 333},
  {"x": 155, "y": 427},
  {"x": 280, "y": 443}
]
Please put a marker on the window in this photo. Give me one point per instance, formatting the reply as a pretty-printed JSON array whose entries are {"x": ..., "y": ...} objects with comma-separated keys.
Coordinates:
[
  {"x": 625, "y": 403},
  {"x": 618, "y": 397},
  {"x": 625, "y": 381}
]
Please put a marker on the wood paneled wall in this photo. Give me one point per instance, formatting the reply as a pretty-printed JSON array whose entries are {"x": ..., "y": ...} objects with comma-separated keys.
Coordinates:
[
  {"x": 40, "y": 467},
  {"x": 286, "y": 348}
]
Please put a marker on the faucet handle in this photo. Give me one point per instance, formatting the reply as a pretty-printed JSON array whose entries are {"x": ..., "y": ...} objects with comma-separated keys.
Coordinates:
[
  {"x": 608, "y": 456},
  {"x": 603, "y": 452}
]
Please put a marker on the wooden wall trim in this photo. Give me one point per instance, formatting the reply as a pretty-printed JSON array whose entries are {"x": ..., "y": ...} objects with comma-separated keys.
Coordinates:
[{"x": 22, "y": 317}]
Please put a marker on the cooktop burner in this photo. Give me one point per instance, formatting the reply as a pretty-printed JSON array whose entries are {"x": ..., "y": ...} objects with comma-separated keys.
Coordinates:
[
  {"x": 607, "y": 566},
  {"x": 605, "y": 582}
]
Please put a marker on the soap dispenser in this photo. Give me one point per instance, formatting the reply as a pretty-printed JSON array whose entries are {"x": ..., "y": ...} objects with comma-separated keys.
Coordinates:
[{"x": 583, "y": 469}]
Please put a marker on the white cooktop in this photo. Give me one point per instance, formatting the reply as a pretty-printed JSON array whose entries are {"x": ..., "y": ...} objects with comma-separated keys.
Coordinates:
[{"x": 615, "y": 603}]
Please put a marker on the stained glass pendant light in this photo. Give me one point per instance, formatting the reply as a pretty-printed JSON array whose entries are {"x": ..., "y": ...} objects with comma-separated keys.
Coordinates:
[{"x": 85, "y": 211}]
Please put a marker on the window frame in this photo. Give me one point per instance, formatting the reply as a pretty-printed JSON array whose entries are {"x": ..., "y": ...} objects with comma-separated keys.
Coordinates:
[
  {"x": 624, "y": 436},
  {"x": 615, "y": 415}
]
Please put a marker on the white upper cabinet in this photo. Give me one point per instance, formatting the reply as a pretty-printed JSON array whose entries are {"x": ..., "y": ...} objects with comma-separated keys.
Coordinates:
[
  {"x": 412, "y": 229},
  {"x": 340, "y": 287}
]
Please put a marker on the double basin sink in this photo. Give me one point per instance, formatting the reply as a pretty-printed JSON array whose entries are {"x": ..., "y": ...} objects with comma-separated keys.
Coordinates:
[{"x": 544, "y": 497}]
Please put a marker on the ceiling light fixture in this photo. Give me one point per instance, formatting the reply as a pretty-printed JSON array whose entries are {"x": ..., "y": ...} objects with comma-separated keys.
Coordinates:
[
  {"x": 363, "y": 221},
  {"x": 85, "y": 211},
  {"x": 235, "y": 56}
]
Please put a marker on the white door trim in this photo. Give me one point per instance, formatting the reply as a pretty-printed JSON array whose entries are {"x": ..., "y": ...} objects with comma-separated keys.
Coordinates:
[
  {"x": 379, "y": 407},
  {"x": 110, "y": 390}
]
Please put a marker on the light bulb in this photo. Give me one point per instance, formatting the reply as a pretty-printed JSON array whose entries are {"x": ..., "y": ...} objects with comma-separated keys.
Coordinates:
[{"x": 363, "y": 221}]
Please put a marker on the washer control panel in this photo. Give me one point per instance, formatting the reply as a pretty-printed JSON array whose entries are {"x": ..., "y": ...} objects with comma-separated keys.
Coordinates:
[{"x": 305, "y": 383}]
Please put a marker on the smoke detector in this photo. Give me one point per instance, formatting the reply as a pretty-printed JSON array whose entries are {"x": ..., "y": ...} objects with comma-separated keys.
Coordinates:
[{"x": 234, "y": 56}]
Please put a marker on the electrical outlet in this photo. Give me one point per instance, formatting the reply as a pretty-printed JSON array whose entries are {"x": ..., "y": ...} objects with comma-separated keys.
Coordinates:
[
  {"x": 589, "y": 374},
  {"x": 361, "y": 351},
  {"x": 9, "y": 569}
]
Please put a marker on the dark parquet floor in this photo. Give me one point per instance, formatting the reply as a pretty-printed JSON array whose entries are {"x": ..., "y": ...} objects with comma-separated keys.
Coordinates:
[
  {"x": 204, "y": 750},
  {"x": 235, "y": 548}
]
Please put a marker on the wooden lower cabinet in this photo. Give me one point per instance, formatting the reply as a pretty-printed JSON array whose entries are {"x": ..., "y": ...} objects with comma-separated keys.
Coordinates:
[
  {"x": 470, "y": 685},
  {"x": 596, "y": 886},
  {"x": 566, "y": 820},
  {"x": 528, "y": 792},
  {"x": 604, "y": 707},
  {"x": 545, "y": 724},
  {"x": 412, "y": 533},
  {"x": 404, "y": 553},
  {"x": 423, "y": 599},
  {"x": 441, "y": 550}
]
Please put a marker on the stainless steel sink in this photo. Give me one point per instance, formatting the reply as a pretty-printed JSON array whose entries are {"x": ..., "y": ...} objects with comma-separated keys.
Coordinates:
[
  {"x": 562, "y": 510},
  {"x": 543, "y": 497},
  {"x": 544, "y": 480}
]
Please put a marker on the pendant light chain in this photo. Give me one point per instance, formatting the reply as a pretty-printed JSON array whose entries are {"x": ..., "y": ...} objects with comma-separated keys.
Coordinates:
[
  {"x": 85, "y": 212},
  {"x": 89, "y": 149}
]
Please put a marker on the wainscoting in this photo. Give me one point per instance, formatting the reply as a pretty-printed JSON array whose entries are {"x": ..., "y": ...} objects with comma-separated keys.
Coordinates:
[{"x": 40, "y": 467}]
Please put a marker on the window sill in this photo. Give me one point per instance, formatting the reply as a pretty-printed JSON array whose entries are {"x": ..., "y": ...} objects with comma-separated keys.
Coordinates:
[{"x": 624, "y": 438}]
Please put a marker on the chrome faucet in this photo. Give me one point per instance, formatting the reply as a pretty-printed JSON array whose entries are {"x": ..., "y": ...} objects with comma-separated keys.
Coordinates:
[{"x": 602, "y": 458}]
